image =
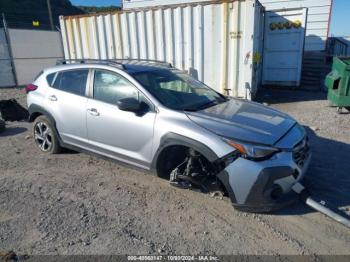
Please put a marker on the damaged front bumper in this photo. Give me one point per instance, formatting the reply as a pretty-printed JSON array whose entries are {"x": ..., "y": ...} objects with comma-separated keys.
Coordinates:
[{"x": 263, "y": 186}]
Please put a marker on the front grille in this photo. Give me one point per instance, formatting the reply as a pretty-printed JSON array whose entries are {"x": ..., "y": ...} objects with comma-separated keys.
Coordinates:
[{"x": 301, "y": 152}]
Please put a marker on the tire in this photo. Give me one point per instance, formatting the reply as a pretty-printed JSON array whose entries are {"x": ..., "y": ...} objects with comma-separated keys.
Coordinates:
[
  {"x": 45, "y": 136},
  {"x": 2, "y": 125}
]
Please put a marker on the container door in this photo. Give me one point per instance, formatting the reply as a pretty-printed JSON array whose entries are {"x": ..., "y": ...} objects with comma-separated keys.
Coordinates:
[
  {"x": 6, "y": 73},
  {"x": 283, "y": 46},
  {"x": 258, "y": 39}
]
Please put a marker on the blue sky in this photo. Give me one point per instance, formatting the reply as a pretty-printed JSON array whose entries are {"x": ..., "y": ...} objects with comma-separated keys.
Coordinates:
[
  {"x": 340, "y": 18},
  {"x": 339, "y": 23}
]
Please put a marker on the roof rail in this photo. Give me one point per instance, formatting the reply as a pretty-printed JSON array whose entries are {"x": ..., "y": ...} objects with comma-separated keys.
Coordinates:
[
  {"x": 115, "y": 62},
  {"x": 90, "y": 61},
  {"x": 136, "y": 60}
]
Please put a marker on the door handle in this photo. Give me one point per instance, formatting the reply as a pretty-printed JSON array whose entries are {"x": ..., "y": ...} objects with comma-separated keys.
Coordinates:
[
  {"x": 93, "y": 112},
  {"x": 53, "y": 98}
]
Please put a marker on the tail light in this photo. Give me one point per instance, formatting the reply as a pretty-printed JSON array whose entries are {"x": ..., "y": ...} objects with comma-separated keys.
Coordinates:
[{"x": 30, "y": 88}]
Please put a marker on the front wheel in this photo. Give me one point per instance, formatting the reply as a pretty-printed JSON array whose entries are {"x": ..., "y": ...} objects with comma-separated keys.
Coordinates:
[{"x": 44, "y": 136}]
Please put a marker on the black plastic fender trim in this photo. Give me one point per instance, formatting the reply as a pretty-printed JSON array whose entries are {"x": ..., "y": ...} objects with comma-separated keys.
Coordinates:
[
  {"x": 34, "y": 109},
  {"x": 173, "y": 139}
]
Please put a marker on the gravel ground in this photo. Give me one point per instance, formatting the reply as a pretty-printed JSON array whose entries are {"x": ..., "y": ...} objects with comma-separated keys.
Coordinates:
[{"x": 73, "y": 203}]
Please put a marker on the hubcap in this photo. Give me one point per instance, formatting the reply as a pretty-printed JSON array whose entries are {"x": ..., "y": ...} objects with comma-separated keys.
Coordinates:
[{"x": 43, "y": 136}]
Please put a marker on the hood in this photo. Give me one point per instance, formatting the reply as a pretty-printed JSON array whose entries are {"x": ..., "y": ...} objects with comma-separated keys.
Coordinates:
[{"x": 244, "y": 121}]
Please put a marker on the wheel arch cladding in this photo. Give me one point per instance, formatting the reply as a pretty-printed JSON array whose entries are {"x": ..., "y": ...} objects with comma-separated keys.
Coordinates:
[
  {"x": 36, "y": 111},
  {"x": 173, "y": 139}
]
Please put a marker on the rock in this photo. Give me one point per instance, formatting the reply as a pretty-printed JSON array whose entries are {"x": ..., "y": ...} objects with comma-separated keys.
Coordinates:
[
  {"x": 213, "y": 194},
  {"x": 216, "y": 194},
  {"x": 266, "y": 104},
  {"x": 8, "y": 256},
  {"x": 28, "y": 137},
  {"x": 314, "y": 128}
]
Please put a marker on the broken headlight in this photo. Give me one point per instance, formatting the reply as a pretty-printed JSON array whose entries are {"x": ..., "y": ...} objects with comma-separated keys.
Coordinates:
[{"x": 254, "y": 152}]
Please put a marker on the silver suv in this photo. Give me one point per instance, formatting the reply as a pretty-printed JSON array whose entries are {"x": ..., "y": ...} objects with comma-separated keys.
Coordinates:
[{"x": 153, "y": 116}]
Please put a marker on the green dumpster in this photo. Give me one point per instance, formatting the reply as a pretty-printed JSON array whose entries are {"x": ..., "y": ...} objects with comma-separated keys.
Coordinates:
[{"x": 338, "y": 82}]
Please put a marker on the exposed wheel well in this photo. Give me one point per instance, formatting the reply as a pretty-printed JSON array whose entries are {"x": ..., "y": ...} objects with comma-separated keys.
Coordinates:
[
  {"x": 172, "y": 156},
  {"x": 169, "y": 158}
]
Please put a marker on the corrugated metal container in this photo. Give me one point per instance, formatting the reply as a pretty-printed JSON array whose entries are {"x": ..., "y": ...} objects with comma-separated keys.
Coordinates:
[
  {"x": 319, "y": 13},
  {"x": 219, "y": 42}
]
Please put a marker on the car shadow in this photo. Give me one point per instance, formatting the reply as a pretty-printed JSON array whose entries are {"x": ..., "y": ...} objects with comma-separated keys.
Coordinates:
[
  {"x": 273, "y": 95},
  {"x": 12, "y": 131},
  {"x": 68, "y": 151},
  {"x": 328, "y": 177}
]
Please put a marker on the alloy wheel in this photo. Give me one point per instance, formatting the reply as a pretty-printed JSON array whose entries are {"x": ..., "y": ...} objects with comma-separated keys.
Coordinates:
[{"x": 43, "y": 136}]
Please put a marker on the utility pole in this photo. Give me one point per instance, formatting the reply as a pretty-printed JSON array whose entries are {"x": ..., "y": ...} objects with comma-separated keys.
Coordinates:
[{"x": 50, "y": 14}]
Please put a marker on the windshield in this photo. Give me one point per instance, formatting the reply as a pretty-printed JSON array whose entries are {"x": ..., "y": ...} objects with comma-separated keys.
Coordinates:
[{"x": 178, "y": 90}]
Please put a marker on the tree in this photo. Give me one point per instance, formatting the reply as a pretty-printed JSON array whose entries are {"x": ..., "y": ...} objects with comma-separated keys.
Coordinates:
[{"x": 34, "y": 14}]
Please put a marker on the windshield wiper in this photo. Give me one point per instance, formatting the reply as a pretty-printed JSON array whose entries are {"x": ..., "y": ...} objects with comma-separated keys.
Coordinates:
[
  {"x": 202, "y": 106},
  {"x": 208, "y": 104}
]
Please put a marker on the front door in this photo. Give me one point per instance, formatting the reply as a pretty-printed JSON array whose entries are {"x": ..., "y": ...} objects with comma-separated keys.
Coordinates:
[
  {"x": 122, "y": 135},
  {"x": 283, "y": 46}
]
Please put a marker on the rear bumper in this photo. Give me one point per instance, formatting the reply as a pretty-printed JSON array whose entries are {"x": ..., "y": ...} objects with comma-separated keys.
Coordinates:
[{"x": 266, "y": 185}]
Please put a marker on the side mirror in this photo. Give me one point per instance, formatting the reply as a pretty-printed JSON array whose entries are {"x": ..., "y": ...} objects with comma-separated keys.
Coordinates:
[{"x": 129, "y": 104}]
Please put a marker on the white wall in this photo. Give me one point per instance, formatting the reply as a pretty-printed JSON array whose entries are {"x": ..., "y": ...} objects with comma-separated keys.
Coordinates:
[
  {"x": 317, "y": 20},
  {"x": 32, "y": 51}
]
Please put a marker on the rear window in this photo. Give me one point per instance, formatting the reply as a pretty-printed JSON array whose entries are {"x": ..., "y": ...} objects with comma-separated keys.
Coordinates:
[
  {"x": 49, "y": 78},
  {"x": 72, "y": 81}
]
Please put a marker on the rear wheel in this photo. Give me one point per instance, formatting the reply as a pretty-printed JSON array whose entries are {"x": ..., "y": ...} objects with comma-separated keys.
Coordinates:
[{"x": 44, "y": 136}]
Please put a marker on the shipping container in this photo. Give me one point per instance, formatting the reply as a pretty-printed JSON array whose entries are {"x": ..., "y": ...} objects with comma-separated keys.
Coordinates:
[{"x": 218, "y": 42}]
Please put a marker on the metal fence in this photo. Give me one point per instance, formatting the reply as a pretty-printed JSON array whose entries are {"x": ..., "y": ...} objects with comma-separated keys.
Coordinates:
[
  {"x": 337, "y": 46},
  {"x": 24, "y": 53}
]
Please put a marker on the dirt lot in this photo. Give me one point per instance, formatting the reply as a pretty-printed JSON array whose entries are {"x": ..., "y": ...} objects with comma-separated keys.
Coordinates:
[{"x": 73, "y": 203}]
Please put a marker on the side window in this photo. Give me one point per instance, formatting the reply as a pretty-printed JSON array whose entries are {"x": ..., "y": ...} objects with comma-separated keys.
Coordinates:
[
  {"x": 72, "y": 81},
  {"x": 110, "y": 87}
]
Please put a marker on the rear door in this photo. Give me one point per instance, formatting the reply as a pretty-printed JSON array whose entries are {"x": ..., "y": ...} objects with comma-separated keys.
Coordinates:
[
  {"x": 67, "y": 101},
  {"x": 283, "y": 46}
]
